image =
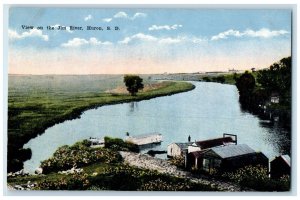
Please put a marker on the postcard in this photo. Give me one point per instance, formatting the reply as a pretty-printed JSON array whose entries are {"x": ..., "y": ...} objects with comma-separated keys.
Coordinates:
[{"x": 149, "y": 99}]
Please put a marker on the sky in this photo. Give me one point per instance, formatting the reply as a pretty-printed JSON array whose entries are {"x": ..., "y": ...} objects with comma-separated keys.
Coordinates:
[{"x": 145, "y": 41}]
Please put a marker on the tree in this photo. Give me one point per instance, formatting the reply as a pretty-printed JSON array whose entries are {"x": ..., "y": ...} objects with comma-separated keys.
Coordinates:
[{"x": 133, "y": 83}]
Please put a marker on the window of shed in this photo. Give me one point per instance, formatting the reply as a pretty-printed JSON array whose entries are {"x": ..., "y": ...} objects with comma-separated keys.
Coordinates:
[{"x": 206, "y": 164}]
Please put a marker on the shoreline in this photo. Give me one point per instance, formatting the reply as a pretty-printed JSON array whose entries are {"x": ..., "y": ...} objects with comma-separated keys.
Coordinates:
[{"x": 171, "y": 89}]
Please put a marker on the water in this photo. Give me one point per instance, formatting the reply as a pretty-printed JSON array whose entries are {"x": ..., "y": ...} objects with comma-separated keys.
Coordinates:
[{"x": 208, "y": 111}]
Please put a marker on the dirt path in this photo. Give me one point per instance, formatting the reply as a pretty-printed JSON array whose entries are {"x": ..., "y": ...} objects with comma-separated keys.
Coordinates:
[{"x": 162, "y": 166}]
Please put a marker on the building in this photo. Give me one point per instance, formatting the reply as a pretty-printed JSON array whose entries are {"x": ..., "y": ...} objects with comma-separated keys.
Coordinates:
[
  {"x": 280, "y": 166},
  {"x": 205, "y": 144},
  {"x": 181, "y": 149},
  {"x": 178, "y": 149},
  {"x": 274, "y": 98},
  {"x": 226, "y": 158}
]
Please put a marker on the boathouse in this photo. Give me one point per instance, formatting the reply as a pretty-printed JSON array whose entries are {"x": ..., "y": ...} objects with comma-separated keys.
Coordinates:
[
  {"x": 280, "y": 166},
  {"x": 226, "y": 158}
]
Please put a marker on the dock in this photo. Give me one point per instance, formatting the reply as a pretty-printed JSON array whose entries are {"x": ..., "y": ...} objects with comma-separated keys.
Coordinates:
[{"x": 145, "y": 139}]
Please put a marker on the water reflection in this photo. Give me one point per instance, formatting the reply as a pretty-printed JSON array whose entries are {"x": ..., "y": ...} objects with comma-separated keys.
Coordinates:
[{"x": 133, "y": 106}]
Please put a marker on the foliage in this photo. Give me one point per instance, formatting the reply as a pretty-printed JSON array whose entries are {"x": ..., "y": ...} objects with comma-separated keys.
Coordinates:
[
  {"x": 133, "y": 83},
  {"x": 277, "y": 79},
  {"x": 219, "y": 79},
  {"x": 78, "y": 155},
  {"x": 160, "y": 185},
  {"x": 256, "y": 177},
  {"x": 118, "y": 144},
  {"x": 178, "y": 161},
  {"x": 76, "y": 181},
  {"x": 113, "y": 176}
]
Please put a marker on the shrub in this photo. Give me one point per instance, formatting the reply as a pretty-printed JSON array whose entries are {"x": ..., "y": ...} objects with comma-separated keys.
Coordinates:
[
  {"x": 256, "y": 177},
  {"x": 178, "y": 161},
  {"x": 118, "y": 144},
  {"x": 78, "y": 155}
]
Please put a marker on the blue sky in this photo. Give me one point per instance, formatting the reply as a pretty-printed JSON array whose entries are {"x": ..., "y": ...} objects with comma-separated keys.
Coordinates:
[{"x": 149, "y": 40}]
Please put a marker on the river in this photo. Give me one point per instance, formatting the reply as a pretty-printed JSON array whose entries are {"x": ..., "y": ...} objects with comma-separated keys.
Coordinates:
[{"x": 208, "y": 111}]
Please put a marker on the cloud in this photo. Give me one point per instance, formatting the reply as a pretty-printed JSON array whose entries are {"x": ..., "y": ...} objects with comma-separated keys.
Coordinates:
[
  {"x": 107, "y": 19},
  {"x": 121, "y": 15},
  {"x": 262, "y": 33},
  {"x": 139, "y": 36},
  {"x": 162, "y": 40},
  {"x": 77, "y": 42},
  {"x": 137, "y": 15},
  {"x": 164, "y": 27},
  {"x": 13, "y": 35},
  {"x": 124, "y": 15},
  {"x": 87, "y": 18}
]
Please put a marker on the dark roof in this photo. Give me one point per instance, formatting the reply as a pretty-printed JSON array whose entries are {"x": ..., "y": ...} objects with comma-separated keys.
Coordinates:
[
  {"x": 285, "y": 158},
  {"x": 232, "y": 150},
  {"x": 197, "y": 154},
  {"x": 183, "y": 145},
  {"x": 213, "y": 142}
]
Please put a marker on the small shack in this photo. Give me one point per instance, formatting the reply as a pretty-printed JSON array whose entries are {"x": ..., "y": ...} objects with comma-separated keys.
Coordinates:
[
  {"x": 280, "y": 166},
  {"x": 274, "y": 98},
  {"x": 226, "y": 158},
  {"x": 178, "y": 149}
]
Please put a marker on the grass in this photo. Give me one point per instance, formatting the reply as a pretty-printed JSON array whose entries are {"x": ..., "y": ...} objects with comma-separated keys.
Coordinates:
[{"x": 36, "y": 103}]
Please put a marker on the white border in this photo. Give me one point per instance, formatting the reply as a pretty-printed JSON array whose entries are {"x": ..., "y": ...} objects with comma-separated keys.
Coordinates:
[{"x": 158, "y": 3}]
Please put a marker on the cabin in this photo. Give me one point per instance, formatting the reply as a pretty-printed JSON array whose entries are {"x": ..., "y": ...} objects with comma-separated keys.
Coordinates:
[
  {"x": 226, "y": 158},
  {"x": 274, "y": 98},
  {"x": 280, "y": 166},
  {"x": 178, "y": 149},
  {"x": 205, "y": 144}
]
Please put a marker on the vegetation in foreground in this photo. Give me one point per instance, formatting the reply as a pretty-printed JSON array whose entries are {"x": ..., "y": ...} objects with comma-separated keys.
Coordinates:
[
  {"x": 36, "y": 103},
  {"x": 102, "y": 170}
]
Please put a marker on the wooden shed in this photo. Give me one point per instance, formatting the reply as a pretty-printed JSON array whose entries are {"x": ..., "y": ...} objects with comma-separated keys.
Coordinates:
[
  {"x": 280, "y": 166},
  {"x": 226, "y": 158}
]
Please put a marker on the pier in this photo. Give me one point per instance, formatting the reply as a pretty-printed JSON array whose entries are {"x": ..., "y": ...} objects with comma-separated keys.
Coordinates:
[{"x": 145, "y": 139}]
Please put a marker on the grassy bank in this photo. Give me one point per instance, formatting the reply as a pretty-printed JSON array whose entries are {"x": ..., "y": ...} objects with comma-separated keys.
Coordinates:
[{"x": 36, "y": 103}]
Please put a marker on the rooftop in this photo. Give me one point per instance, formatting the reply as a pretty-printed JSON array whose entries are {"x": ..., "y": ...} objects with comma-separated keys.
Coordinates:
[
  {"x": 184, "y": 145},
  {"x": 205, "y": 144},
  {"x": 232, "y": 150}
]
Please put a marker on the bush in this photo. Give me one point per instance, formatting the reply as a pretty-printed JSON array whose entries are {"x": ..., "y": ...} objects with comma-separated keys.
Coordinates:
[
  {"x": 178, "y": 161},
  {"x": 78, "y": 155},
  {"x": 77, "y": 181},
  {"x": 256, "y": 177},
  {"x": 118, "y": 144}
]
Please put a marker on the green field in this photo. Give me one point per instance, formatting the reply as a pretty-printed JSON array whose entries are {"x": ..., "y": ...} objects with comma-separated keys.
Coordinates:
[{"x": 38, "y": 102}]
